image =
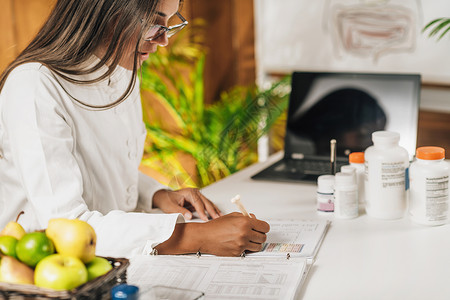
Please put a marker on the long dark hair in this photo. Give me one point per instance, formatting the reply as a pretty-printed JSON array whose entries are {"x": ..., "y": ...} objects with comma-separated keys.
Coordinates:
[{"x": 76, "y": 28}]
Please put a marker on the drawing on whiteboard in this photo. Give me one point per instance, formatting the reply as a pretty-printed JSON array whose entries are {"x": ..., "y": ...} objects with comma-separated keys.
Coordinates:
[{"x": 372, "y": 28}]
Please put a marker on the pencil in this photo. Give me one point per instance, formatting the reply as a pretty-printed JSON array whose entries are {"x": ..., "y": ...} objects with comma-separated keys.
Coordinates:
[
  {"x": 333, "y": 156},
  {"x": 237, "y": 200}
]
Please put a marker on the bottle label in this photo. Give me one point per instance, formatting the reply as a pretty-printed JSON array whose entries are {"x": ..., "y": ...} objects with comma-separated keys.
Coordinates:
[
  {"x": 325, "y": 202},
  {"x": 392, "y": 175},
  {"x": 346, "y": 203},
  {"x": 437, "y": 198}
]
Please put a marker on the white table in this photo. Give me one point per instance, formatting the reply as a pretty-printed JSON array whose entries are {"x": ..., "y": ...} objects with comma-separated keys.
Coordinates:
[{"x": 362, "y": 258}]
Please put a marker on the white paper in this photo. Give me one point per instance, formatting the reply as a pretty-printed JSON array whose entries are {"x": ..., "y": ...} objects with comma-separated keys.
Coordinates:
[
  {"x": 296, "y": 237},
  {"x": 221, "y": 277}
]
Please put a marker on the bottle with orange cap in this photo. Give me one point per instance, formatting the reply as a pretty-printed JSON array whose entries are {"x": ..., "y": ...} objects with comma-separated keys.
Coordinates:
[
  {"x": 429, "y": 187},
  {"x": 356, "y": 160}
]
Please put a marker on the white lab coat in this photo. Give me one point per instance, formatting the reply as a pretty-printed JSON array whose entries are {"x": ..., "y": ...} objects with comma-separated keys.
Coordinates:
[{"x": 58, "y": 159}]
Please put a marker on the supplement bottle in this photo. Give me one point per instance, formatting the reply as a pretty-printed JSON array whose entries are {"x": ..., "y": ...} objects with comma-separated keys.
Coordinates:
[
  {"x": 429, "y": 190},
  {"x": 325, "y": 194},
  {"x": 350, "y": 170},
  {"x": 345, "y": 196},
  {"x": 386, "y": 168},
  {"x": 356, "y": 160}
]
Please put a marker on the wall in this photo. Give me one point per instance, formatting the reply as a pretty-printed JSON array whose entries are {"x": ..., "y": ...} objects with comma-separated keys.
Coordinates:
[
  {"x": 434, "y": 118},
  {"x": 230, "y": 41},
  {"x": 352, "y": 35},
  {"x": 20, "y": 20},
  {"x": 379, "y": 36}
]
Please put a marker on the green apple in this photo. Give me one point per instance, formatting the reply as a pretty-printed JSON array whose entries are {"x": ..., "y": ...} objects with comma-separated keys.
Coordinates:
[
  {"x": 73, "y": 237},
  {"x": 60, "y": 272},
  {"x": 8, "y": 245},
  {"x": 33, "y": 247},
  {"x": 97, "y": 267}
]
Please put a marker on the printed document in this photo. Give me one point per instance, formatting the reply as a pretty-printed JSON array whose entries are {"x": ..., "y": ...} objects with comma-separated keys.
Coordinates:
[
  {"x": 221, "y": 277},
  {"x": 277, "y": 272},
  {"x": 296, "y": 237}
]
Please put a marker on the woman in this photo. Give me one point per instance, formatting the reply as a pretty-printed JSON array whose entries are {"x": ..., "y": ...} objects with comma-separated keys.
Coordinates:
[{"x": 71, "y": 136}]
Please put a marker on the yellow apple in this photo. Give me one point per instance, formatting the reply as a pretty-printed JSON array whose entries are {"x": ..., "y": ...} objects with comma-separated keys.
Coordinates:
[
  {"x": 73, "y": 237},
  {"x": 60, "y": 272}
]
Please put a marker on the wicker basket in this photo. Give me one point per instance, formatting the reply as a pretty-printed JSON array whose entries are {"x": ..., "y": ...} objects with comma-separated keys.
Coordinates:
[{"x": 99, "y": 288}]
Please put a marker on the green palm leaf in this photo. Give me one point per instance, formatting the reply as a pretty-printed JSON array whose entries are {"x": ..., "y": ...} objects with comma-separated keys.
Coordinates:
[{"x": 441, "y": 25}]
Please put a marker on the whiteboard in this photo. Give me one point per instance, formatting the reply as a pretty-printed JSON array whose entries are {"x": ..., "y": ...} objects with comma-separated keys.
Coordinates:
[{"x": 351, "y": 35}]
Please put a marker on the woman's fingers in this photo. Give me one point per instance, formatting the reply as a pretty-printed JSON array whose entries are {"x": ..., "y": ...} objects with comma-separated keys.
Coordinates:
[
  {"x": 253, "y": 247},
  {"x": 257, "y": 237},
  {"x": 193, "y": 198},
  {"x": 211, "y": 208},
  {"x": 259, "y": 225},
  {"x": 201, "y": 204},
  {"x": 175, "y": 204},
  {"x": 186, "y": 201},
  {"x": 235, "y": 233}
]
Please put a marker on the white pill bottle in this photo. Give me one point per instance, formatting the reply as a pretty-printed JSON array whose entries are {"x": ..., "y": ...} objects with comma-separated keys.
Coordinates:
[
  {"x": 356, "y": 160},
  {"x": 429, "y": 190},
  {"x": 325, "y": 194},
  {"x": 386, "y": 169},
  {"x": 345, "y": 196}
]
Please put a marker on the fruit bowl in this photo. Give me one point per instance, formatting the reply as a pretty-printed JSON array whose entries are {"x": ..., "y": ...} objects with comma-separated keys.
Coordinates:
[{"x": 98, "y": 288}]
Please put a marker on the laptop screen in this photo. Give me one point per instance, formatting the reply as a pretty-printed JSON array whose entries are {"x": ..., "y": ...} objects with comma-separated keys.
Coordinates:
[{"x": 349, "y": 107}]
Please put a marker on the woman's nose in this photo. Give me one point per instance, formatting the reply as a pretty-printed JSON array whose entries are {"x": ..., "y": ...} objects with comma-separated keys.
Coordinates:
[{"x": 162, "y": 40}]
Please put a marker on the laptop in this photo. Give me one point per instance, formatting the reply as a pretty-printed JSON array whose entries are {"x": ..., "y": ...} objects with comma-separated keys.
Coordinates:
[{"x": 347, "y": 107}]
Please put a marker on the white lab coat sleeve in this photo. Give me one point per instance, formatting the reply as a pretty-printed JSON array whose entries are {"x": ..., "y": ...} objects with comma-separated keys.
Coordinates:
[
  {"x": 122, "y": 235},
  {"x": 41, "y": 143},
  {"x": 147, "y": 188}
]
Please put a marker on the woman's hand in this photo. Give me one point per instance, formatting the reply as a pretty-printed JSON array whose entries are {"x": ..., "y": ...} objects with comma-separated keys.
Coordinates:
[
  {"x": 229, "y": 235},
  {"x": 184, "y": 201},
  {"x": 233, "y": 234}
]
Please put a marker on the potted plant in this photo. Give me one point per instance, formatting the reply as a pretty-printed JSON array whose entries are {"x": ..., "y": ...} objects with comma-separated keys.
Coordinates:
[{"x": 193, "y": 144}]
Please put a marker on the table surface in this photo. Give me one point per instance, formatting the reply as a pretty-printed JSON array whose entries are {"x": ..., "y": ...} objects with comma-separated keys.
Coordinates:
[{"x": 361, "y": 258}]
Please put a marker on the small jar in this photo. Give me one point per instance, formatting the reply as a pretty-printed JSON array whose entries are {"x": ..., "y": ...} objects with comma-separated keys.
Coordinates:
[
  {"x": 345, "y": 196},
  {"x": 325, "y": 194},
  {"x": 356, "y": 160},
  {"x": 429, "y": 187}
]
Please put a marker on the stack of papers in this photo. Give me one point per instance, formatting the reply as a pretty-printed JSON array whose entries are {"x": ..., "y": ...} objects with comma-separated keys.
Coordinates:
[{"x": 277, "y": 272}]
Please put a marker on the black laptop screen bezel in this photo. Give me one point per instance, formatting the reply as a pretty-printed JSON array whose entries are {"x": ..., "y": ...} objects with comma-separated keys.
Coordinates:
[{"x": 302, "y": 82}]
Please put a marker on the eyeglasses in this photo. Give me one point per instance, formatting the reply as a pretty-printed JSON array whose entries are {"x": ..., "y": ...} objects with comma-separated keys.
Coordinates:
[{"x": 156, "y": 31}]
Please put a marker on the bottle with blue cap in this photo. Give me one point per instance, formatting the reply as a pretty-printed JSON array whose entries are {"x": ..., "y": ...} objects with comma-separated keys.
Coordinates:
[{"x": 125, "y": 292}]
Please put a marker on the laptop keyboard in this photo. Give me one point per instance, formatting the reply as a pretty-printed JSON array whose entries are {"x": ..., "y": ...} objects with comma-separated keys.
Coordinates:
[
  {"x": 312, "y": 167},
  {"x": 295, "y": 170}
]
